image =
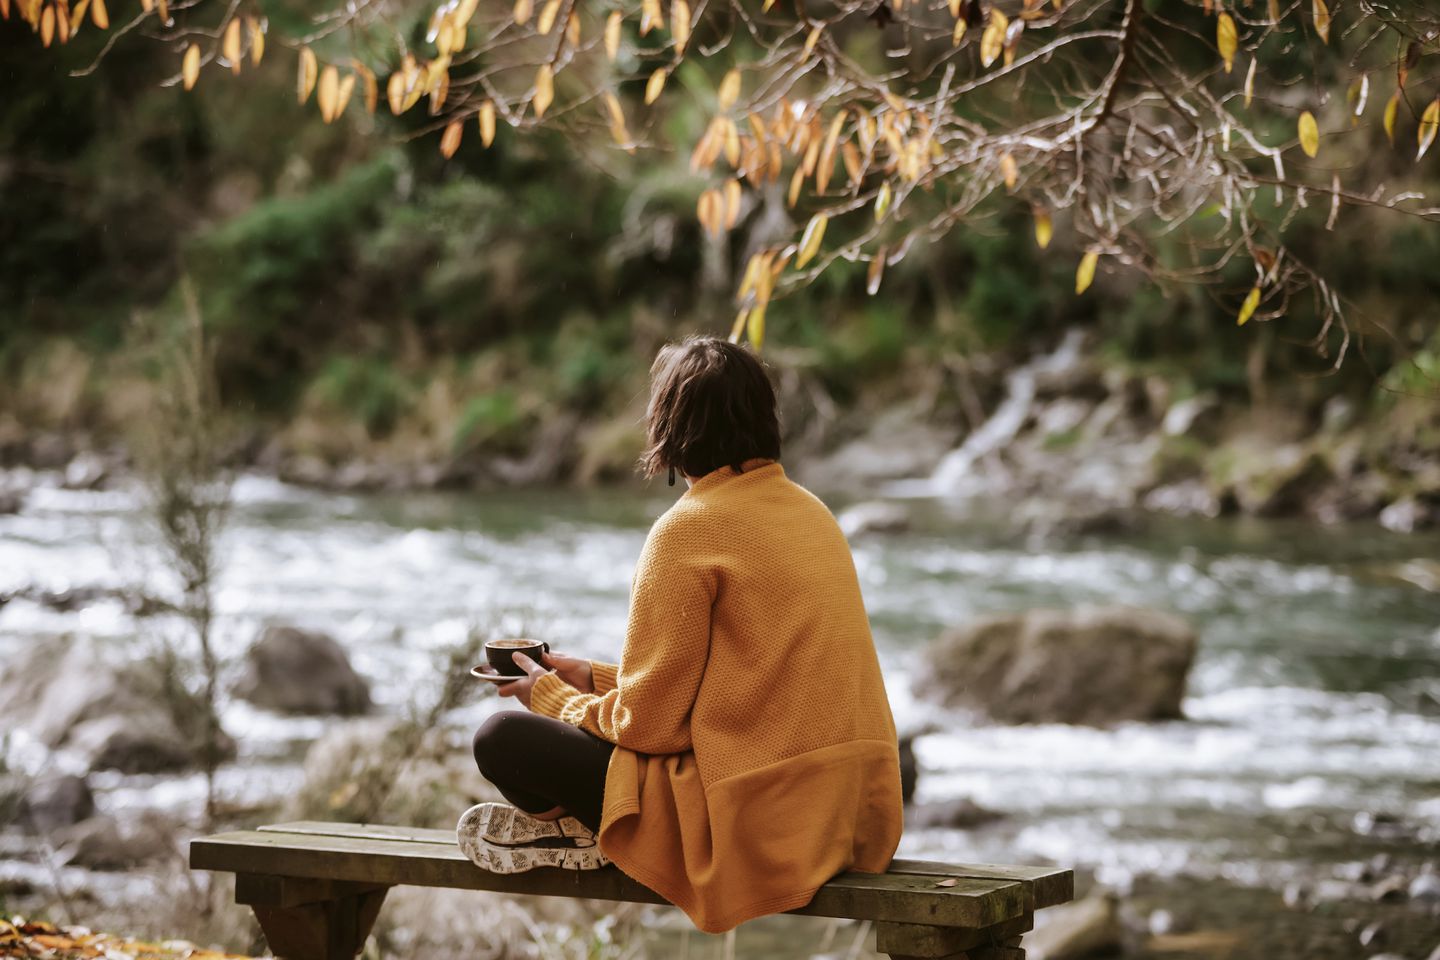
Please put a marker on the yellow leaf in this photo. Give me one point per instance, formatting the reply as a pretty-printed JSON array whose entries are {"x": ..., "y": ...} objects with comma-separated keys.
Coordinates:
[
  {"x": 739, "y": 326},
  {"x": 1009, "y": 171},
  {"x": 257, "y": 41},
  {"x": 487, "y": 122},
  {"x": 523, "y": 9},
  {"x": 992, "y": 41},
  {"x": 732, "y": 142},
  {"x": 1309, "y": 134},
  {"x": 548, "y": 14},
  {"x": 1085, "y": 273},
  {"x": 572, "y": 29},
  {"x": 854, "y": 165},
  {"x": 305, "y": 77},
  {"x": 827, "y": 153},
  {"x": 328, "y": 92},
  {"x": 1044, "y": 228},
  {"x": 439, "y": 84},
  {"x": 450, "y": 139},
  {"x": 755, "y": 326},
  {"x": 875, "y": 272},
  {"x": 655, "y": 85},
  {"x": 1247, "y": 309},
  {"x": 1429, "y": 123},
  {"x": 190, "y": 66},
  {"x": 1225, "y": 39},
  {"x": 958, "y": 33},
  {"x": 811, "y": 40},
  {"x": 229, "y": 43},
  {"x": 882, "y": 201},
  {"x": 680, "y": 24},
  {"x": 797, "y": 179},
  {"x": 47, "y": 31},
  {"x": 1250, "y": 81},
  {"x": 650, "y": 16},
  {"x": 99, "y": 15},
  {"x": 342, "y": 96},
  {"x": 954, "y": 6},
  {"x": 77, "y": 16},
  {"x": 732, "y": 197},
  {"x": 4, "y": 9},
  {"x": 612, "y": 34},
  {"x": 1321, "y": 14},
  {"x": 371, "y": 89},
  {"x": 395, "y": 92},
  {"x": 544, "y": 90},
  {"x": 729, "y": 90},
  {"x": 810, "y": 240},
  {"x": 1392, "y": 109},
  {"x": 708, "y": 212}
]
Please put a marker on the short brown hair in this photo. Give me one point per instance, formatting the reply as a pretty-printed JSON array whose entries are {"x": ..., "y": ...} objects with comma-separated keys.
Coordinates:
[{"x": 711, "y": 406}]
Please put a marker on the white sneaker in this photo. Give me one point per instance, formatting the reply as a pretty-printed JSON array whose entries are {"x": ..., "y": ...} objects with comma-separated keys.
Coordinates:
[{"x": 502, "y": 839}]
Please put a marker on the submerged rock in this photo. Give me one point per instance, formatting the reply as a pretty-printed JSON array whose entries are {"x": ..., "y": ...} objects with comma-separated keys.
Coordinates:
[
  {"x": 1091, "y": 665},
  {"x": 300, "y": 671}
]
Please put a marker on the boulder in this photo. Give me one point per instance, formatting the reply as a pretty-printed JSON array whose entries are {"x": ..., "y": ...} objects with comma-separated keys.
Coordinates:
[
  {"x": 54, "y": 802},
  {"x": 1086, "y": 928},
  {"x": 87, "y": 471},
  {"x": 1090, "y": 665},
  {"x": 875, "y": 516},
  {"x": 302, "y": 672}
]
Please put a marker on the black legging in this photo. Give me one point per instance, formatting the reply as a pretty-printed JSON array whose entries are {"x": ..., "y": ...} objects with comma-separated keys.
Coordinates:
[{"x": 539, "y": 764}]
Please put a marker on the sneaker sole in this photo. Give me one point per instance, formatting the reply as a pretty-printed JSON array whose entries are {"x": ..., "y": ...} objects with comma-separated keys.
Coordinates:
[{"x": 495, "y": 836}]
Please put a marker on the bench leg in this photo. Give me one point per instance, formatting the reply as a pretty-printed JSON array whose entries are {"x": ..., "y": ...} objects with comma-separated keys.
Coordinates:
[
  {"x": 311, "y": 919},
  {"x": 905, "y": 941}
]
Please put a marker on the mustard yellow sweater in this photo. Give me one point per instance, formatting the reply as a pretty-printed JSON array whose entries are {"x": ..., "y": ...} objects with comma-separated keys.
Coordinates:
[{"x": 756, "y": 753}]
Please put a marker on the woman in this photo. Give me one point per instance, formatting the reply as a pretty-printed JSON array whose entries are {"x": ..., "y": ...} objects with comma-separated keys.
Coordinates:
[{"x": 742, "y": 752}]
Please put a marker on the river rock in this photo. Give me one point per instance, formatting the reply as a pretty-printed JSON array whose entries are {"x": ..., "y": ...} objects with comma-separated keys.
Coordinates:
[
  {"x": 960, "y": 813},
  {"x": 1408, "y": 515},
  {"x": 87, "y": 471},
  {"x": 1425, "y": 888},
  {"x": 303, "y": 672},
  {"x": 1077, "y": 930},
  {"x": 56, "y": 801},
  {"x": 11, "y": 501},
  {"x": 1390, "y": 889},
  {"x": 1090, "y": 665},
  {"x": 900, "y": 443},
  {"x": 876, "y": 516}
]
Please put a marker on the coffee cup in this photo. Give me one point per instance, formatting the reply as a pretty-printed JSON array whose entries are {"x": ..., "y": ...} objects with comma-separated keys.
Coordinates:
[{"x": 501, "y": 654}]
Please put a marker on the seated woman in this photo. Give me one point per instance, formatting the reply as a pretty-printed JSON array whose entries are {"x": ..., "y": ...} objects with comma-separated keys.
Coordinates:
[{"x": 743, "y": 752}]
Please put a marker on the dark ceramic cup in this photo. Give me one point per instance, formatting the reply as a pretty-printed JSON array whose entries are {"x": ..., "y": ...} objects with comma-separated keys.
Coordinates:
[{"x": 501, "y": 654}]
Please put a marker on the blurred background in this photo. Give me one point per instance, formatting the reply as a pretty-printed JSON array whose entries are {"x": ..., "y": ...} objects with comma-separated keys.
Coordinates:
[{"x": 293, "y": 416}]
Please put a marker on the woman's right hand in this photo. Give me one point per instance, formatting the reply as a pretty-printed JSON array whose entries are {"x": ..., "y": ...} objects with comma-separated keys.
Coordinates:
[{"x": 573, "y": 670}]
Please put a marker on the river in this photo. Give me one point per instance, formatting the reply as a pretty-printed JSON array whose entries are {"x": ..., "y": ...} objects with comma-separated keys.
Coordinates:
[{"x": 1313, "y": 711}]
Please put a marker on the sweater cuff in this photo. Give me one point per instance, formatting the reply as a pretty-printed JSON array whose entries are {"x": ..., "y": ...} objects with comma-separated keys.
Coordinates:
[
  {"x": 605, "y": 676},
  {"x": 550, "y": 694}
]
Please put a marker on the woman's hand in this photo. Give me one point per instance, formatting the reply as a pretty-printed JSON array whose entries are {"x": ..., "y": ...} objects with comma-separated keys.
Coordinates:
[
  {"x": 573, "y": 670},
  {"x": 520, "y": 689}
]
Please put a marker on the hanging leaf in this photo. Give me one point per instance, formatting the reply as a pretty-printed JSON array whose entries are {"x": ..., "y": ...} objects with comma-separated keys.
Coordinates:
[
  {"x": 876, "y": 272},
  {"x": 328, "y": 92},
  {"x": 1012, "y": 40},
  {"x": 486, "y": 119},
  {"x": 739, "y": 326},
  {"x": 729, "y": 90},
  {"x": 755, "y": 326},
  {"x": 958, "y": 33},
  {"x": 229, "y": 43},
  {"x": 342, "y": 96},
  {"x": 650, "y": 16},
  {"x": 1009, "y": 171},
  {"x": 257, "y": 42},
  {"x": 305, "y": 77},
  {"x": 572, "y": 30},
  {"x": 1429, "y": 123},
  {"x": 1273, "y": 7},
  {"x": 544, "y": 90},
  {"x": 450, "y": 139},
  {"x": 523, "y": 9},
  {"x": 826, "y": 167},
  {"x": 1247, "y": 309},
  {"x": 99, "y": 15},
  {"x": 190, "y": 66},
  {"x": 810, "y": 240},
  {"x": 1358, "y": 96},
  {"x": 47, "y": 28},
  {"x": 797, "y": 180},
  {"x": 1044, "y": 227},
  {"x": 612, "y": 34},
  {"x": 655, "y": 85},
  {"x": 1407, "y": 63},
  {"x": 811, "y": 40},
  {"x": 680, "y": 25},
  {"x": 548, "y": 14},
  {"x": 732, "y": 196},
  {"x": 882, "y": 201},
  {"x": 1392, "y": 109},
  {"x": 370, "y": 90},
  {"x": 1309, "y": 134},
  {"x": 1226, "y": 39},
  {"x": 1321, "y": 15},
  {"x": 854, "y": 165},
  {"x": 395, "y": 92},
  {"x": 1085, "y": 273},
  {"x": 1250, "y": 82},
  {"x": 992, "y": 41},
  {"x": 709, "y": 212}
]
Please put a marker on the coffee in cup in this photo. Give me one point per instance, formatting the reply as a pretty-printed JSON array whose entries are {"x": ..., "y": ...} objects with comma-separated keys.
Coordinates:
[{"x": 501, "y": 654}]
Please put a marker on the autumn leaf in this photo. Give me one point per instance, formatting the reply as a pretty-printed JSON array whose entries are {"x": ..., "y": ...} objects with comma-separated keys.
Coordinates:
[
  {"x": 1358, "y": 96},
  {"x": 709, "y": 211},
  {"x": 47, "y": 30},
  {"x": 1309, "y": 134},
  {"x": 548, "y": 14},
  {"x": 522, "y": 11},
  {"x": 1392, "y": 109},
  {"x": 755, "y": 326},
  {"x": 544, "y": 90},
  {"x": 1321, "y": 15},
  {"x": 190, "y": 66},
  {"x": 1044, "y": 228},
  {"x": 487, "y": 123},
  {"x": 342, "y": 96},
  {"x": 811, "y": 40},
  {"x": 810, "y": 240},
  {"x": 1250, "y": 82},
  {"x": 1429, "y": 123},
  {"x": 949, "y": 882},
  {"x": 371, "y": 90},
  {"x": 1085, "y": 273},
  {"x": 680, "y": 24},
  {"x": 876, "y": 271},
  {"x": 612, "y": 35},
  {"x": 650, "y": 16},
  {"x": 99, "y": 15},
  {"x": 729, "y": 90},
  {"x": 992, "y": 41},
  {"x": 229, "y": 44},
  {"x": 257, "y": 43},
  {"x": 1247, "y": 309},
  {"x": 1009, "y": 171},
  {"x": 305, "y": 77},
  {"x": 882, "y": 201},
  {"x": 1225, "y": 39},
  {"x": 450, "y": 139},
  {"x": 655, "y": 85}
]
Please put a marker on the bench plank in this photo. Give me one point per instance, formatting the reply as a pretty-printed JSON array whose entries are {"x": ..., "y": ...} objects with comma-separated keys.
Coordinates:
[
  {"x": 1049, "y": 885},
  {"x": 403, "y": 856}
]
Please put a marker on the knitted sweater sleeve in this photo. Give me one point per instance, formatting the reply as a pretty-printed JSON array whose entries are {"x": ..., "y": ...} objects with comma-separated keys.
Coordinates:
[
  {"x": 603, "y": 676},
  {"x": 667, "y": 642}
]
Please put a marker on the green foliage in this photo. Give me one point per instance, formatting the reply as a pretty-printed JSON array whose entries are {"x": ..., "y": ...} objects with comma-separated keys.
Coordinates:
[
  {"x": 487, "y": 417},
  {"x": 369, "y": 389}
]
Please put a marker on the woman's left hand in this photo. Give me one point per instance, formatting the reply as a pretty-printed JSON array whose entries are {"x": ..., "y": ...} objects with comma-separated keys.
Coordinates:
[{"x": 520, "y": 689}]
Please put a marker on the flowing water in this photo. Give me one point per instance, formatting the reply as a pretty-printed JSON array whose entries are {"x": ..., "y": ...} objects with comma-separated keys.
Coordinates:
[{"x": 1313, "y": 711}]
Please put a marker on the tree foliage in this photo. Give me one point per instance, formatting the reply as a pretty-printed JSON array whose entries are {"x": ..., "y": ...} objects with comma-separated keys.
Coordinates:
[{"x": 1180, "y": 138}]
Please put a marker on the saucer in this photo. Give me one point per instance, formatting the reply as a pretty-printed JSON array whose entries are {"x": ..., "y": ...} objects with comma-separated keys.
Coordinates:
[{"x": 485, "y": 672}]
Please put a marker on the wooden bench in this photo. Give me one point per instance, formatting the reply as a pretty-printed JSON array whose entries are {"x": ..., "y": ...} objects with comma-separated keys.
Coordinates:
[{"x": 316, "y": 889}]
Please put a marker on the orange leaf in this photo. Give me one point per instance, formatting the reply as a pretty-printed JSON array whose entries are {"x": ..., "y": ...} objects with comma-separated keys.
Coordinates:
[
  {"x": 729, "y": 90},
  {"x": 487, "y": 122},
  {"x": 877, "y": 269},
  {"x": 229, "y": 44},
  {"x": 1009, "y": 171},
  {"x": 450, "y": 139},
  {"x": 655, "y": 85},
  {"x": 680, "y": 24},
  {"x": 257, "y": 41},
  {"x": 190, "y": 66},
  {"x": 99, "y": 15},
  {"x": 612, "y": 34},
  {"x": 305, "y": 77},
  {"x": 544, "y": 90},
  {"x": 1321, "y": 16},
  {"x": 328, "y": 92}
]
